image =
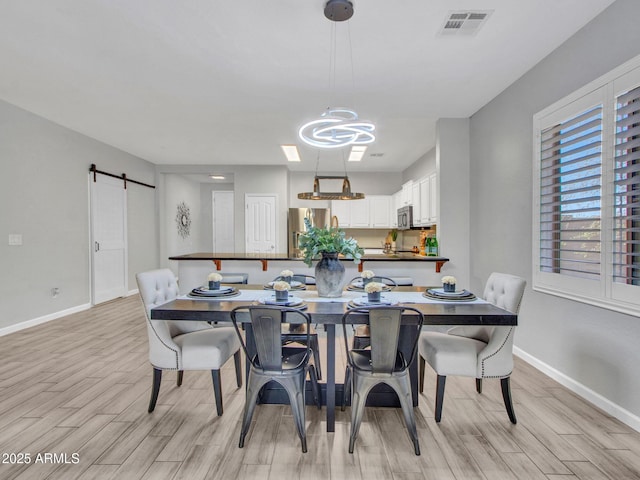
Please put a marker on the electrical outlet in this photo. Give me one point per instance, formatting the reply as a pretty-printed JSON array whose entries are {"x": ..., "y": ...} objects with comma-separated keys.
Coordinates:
[
  {"x": 55, "y": 291},
  {"x": 15, "y": 239}
]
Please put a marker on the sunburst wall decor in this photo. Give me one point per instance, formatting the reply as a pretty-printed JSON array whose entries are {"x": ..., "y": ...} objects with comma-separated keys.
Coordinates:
[{"x": 183, "y": 220}]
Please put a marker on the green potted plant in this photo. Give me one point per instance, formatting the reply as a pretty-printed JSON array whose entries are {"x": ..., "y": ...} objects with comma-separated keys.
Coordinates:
[
  {"x": 328, "y": 243},
  {"x": 394, "y": 236}
]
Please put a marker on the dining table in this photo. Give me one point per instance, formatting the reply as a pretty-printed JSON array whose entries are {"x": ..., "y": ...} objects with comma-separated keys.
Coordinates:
[{"x": 328, "y": 312}]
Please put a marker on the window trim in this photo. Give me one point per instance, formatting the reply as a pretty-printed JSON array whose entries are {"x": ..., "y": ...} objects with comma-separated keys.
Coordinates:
[{"x": 603, "y": 292}]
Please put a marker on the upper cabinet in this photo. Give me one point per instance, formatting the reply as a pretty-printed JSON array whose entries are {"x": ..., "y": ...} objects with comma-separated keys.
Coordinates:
[
  {"x": 396, "y": 203},
  {"x": 380, "y": 211},
  {"x": 342, "y": 210},
  {"x": 426, "y": 213},
  {"x": 406, "y": 194},
  {"x": 374, "y": 211},
  {"x": 422, "y": 194}
]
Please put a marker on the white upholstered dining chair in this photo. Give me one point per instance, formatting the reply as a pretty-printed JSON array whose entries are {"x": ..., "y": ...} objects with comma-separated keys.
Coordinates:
[
  {"x": 183, "y": 344},
  {"x": 476, "y": 351}
]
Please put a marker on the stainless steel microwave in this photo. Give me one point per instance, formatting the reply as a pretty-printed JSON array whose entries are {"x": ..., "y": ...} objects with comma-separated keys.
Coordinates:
[{"x": 405, "y": 218}]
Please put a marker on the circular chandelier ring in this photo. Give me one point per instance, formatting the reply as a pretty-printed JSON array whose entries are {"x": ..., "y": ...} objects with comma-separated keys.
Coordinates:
[{"x": 337, "y": 129}]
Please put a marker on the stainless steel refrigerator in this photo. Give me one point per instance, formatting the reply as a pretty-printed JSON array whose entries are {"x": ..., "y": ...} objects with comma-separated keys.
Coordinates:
[{"x": 319, "y": 217}]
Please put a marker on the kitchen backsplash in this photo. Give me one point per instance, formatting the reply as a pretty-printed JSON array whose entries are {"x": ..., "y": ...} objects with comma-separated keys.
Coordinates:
[{"x": 375, "y": 237}]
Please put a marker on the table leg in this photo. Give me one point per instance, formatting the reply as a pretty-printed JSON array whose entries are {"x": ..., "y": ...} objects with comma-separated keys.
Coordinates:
[{"x": 331, "y": 377}]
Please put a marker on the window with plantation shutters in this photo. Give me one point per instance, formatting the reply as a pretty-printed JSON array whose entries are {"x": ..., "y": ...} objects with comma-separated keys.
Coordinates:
[
  {"x": 626, "y": 220},
  {"x": 570, "y": 194},
  {"x": 586, "y": 187}
]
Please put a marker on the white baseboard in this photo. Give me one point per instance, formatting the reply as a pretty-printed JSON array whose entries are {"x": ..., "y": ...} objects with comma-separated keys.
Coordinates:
[
  {"x": 598, "y": 400},
  {"x": 132, "y": 292},
  {"x": 46, "y": 318}
]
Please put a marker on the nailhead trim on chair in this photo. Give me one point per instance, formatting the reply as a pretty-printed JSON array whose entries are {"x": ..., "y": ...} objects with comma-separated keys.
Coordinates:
[
  {"x": 156, "y": 303},
  {"x": 495, "y": 353}
]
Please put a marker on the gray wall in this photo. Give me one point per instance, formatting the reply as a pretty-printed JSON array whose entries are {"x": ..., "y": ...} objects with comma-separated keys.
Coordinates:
[
  {"x": 44, "y": 195},
  {"x": 247, "y": 179},
  {"x": 421, "y": 167},
  {"x": 594, "y": 347}
]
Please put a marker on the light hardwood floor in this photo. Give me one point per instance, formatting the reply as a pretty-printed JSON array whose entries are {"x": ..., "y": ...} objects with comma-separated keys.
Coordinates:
[{"x": 80, "y": 385}]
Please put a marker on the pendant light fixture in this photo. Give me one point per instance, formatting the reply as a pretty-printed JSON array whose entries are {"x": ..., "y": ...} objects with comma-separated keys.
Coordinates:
[
  {"x": 337, "y": 126},
  {"x": 345, "y": 194}
]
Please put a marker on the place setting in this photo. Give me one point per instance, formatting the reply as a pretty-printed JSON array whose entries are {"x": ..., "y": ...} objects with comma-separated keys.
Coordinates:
[
  {"x": 213, "y": 290},
  {"x": 282, "y": 298},
  {"x": 448, "y": 292},
  {"x": 372, "y": 298},
  {"x": 286, "y": 276},
  {"x": 357, "y": 284}
]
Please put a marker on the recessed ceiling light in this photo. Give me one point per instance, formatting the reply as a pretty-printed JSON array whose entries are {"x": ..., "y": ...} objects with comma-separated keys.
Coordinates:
[
  {"x": 291, "y": 152},
  {"x": 357, "y": 152},
  {"x": 216, "y": 177}
]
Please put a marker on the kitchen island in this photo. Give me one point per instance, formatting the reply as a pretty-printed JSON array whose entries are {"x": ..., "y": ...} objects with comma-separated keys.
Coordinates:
[{"x": 193, "y": 268}]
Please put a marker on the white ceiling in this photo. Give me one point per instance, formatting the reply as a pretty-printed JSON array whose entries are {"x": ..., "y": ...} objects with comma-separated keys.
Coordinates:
[{"x": 209, "y": 82}]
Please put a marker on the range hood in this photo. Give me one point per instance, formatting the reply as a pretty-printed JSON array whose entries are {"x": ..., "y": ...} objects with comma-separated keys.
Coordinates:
[{"x": 346, "y": 193}]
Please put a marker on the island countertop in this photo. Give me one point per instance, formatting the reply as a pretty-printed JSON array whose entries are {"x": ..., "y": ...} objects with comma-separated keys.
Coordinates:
[{"x": 217, "y": 258}]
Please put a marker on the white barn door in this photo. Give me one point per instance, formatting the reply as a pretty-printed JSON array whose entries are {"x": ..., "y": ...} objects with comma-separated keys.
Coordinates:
[
  {"x": 108, "y": 239},
  {"x": 261, "y": 223}
]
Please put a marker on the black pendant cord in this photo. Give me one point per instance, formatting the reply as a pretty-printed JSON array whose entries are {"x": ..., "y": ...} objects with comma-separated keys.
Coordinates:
[{"x": 123, "y": 177}]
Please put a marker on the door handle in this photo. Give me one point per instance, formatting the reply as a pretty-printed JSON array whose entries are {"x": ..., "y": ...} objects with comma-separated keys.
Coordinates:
[{"x": 97, "y": 246}]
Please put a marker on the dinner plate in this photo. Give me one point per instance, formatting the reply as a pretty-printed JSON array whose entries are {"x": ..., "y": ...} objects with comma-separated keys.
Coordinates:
[
  {"x": 213, "y": 294},
  {"x": 440, "y": 291},
  {"x": 293, "y": 302},
  {"x": 465, "y": 296},
  {"x": 364, "y": 302}
]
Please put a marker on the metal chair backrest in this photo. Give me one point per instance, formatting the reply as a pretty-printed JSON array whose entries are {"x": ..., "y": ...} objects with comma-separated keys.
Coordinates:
[
  {"x": 384, "y": 323},
  {"x": 266, "y": 323},
  {"x": 299, "y": 277},
  {"x": 388, "y": 281}
]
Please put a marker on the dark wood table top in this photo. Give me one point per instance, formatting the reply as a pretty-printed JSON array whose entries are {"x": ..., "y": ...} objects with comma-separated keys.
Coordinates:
[{"x": 453, "y": 313}]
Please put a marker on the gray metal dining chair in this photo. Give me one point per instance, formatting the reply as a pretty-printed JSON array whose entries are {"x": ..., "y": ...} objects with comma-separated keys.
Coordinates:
[
  {"x": 361, "y": 332},
  {"x": 472, "y": 351},
  {"x": 296, "y": 333},
  {"x": 272, "y": 361},
  {"x": 181, "y": 344},
  {"x": 383, "y": 363}
]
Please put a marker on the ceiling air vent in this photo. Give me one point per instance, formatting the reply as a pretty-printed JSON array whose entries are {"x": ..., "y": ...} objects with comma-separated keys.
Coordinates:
[{"x": 464, "y": 22}]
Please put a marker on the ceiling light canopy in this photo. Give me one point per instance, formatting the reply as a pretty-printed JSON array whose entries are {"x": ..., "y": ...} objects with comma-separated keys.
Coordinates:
[{"x": 338, "y": 10}]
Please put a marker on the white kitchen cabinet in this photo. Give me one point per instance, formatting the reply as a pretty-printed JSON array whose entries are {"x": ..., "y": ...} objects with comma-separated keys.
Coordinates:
[
  {"x": 374, "y": 211},
  {"x": 407, "y": 193},
  {"x": 360, "y": 211},
  {"x": 427, "y": 213},
  {"x": 433, "y": 198},
  {"x": 425, "y": 197},
  {"x": 342, "y": 210},
  {"x": 380, "y": 211},
  {"x": 396, "y": 203},
  {"x": 415, "y": 201}
]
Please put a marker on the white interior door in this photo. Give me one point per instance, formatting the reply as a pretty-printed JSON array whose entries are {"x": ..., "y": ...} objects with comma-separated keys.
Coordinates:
[
  {"x": 223, "y": 211},
  {"x": 108, "y": 238},
  {"x": 261, "y": 223}
]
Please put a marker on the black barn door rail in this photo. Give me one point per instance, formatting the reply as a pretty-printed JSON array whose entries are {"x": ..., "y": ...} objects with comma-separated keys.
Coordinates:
[{"x": 123, "y": 177}]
